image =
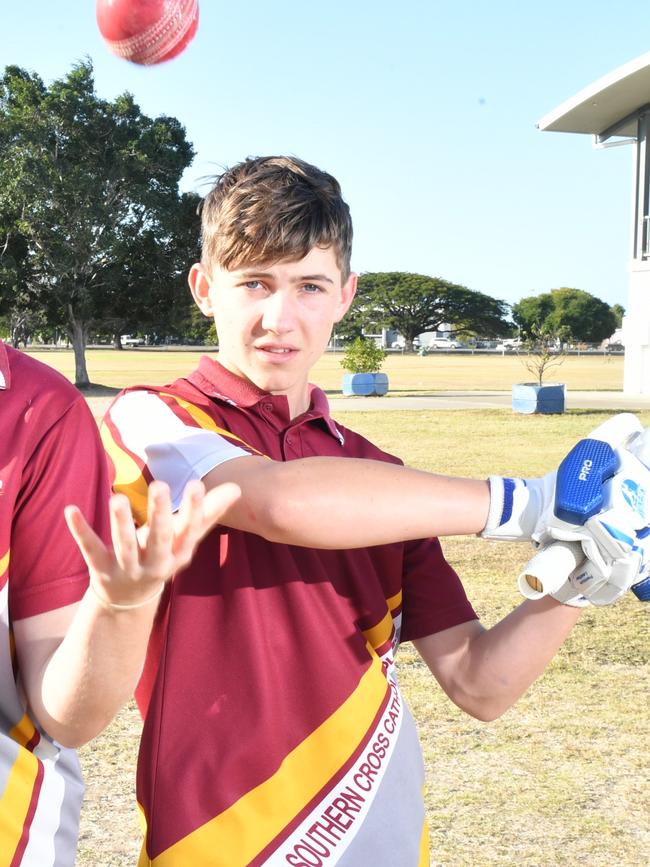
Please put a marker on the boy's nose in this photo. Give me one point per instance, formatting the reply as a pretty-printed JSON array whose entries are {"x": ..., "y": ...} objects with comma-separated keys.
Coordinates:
[{"x": 279, "y": 313}]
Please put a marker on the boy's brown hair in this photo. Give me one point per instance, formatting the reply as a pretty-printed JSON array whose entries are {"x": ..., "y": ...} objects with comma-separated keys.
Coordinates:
[{"x": 266, "y": 209}]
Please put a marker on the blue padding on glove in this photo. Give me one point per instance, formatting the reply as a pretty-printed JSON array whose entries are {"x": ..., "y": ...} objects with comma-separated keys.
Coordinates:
[
  {"x": 508, "y": 493},
  {"x": 642, "y": 590},
  {"x": 580, "y": 477}
]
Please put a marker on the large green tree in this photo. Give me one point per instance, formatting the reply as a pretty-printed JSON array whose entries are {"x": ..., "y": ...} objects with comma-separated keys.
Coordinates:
[
  {"x": 91, "y": 187},
  {"x": 147, "y": 291},
  {"x": 413, "y": 303},
  {"x": 570, "y": 312}
]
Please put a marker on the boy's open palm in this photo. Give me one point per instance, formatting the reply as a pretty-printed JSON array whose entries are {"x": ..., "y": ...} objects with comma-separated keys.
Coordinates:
[{"x": 134, "y": 569}]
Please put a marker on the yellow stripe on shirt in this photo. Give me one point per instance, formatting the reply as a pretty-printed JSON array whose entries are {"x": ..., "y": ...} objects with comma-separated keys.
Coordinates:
[
  {"x": 381, "y": 632},
  {"x": 395, "y": 601},
  {"x": 424, "y": 861},
  {"x": 129, "y": 479},
  {"x": 23, "y": 731},
  {"x": 246, "y": 828},
  {"x": 15, "y": 802},
  {"x": 204, "y": 421}
]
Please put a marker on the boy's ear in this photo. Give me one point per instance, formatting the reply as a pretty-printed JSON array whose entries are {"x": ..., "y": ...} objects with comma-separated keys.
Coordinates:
[
  {"x": 348, "y": 291},
  {"x": 199, "y": 283}
]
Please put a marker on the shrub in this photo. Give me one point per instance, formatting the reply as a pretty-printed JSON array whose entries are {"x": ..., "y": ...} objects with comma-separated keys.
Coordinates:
[
  {"x": 542, "y": 349},
  {"x": 363, "y": 356}
]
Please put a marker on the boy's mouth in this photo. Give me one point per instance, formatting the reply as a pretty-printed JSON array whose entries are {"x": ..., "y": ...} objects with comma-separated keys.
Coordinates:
[{"x": 277, "y": 353}]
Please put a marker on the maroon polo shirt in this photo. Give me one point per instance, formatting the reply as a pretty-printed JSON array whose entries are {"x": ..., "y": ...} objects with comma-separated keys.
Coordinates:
[
  {"x": 50, "y": 456},
  {"x": 259, "y": 648}
]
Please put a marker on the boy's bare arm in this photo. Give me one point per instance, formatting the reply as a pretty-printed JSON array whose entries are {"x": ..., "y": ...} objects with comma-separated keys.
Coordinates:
[
  {"x": 79, "y": 664},
  {"x": 485, "y": 671},
  {"x": 347, "y": 502}
]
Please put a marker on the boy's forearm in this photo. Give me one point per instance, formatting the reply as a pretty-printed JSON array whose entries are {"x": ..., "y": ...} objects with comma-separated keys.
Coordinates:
[
  {"x": 349, "y": 503},
  {"x": 499, "y": 664},
  {"x": 93, "y": 672}
]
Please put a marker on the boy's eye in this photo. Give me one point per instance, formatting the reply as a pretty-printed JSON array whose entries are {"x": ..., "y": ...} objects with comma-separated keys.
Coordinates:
[
  {"x": 311, "y": 288},
  {"x": 252, "y": 284}
]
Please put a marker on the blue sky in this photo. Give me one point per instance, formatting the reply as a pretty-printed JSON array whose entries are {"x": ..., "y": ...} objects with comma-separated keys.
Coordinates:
[{"x": 424, "y": 110}]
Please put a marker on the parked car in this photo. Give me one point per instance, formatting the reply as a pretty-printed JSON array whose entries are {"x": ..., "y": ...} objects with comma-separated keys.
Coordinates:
[
  {"x": 444, "y": 343},
  {"x": 400, "y": 343},
  {"x": 510, "y": 344},
  {"x": 130, "y": 340}
]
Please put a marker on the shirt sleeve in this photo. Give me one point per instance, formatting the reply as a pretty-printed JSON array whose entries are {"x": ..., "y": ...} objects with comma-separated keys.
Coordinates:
[
  {"x": 433, "y": 597},
  {"x": 165, "y": 440},
  {"x": 67, "y": 466}
]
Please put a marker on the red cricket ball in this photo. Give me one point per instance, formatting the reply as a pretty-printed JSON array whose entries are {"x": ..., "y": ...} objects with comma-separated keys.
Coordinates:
[{"x": 147, "y": 31}]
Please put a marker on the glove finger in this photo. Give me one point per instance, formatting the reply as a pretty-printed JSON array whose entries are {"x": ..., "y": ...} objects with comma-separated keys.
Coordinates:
[
  {"x": 566, "y": 594},
  {"x": 624, "y": 573},
  {"x": 586, "y": 581}
]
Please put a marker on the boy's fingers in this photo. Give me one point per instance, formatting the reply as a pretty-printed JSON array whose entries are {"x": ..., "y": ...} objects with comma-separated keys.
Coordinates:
[
  {"x": 189, "y": 522},
  {"x": 125, "y": 541},
  {"x": 93, "y": 550},
  {"x": 161, "y": 527}
]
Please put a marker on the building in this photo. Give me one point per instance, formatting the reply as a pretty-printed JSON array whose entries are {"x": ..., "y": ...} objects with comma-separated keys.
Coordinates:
[{"x": 615, "y": 110}]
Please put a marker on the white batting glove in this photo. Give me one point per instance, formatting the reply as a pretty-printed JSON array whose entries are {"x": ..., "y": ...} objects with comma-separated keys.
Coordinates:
[
  {"x": 602, "y": 502},
  {"x": 625, "y": 572},
  {"x": 517, "y": 507}
]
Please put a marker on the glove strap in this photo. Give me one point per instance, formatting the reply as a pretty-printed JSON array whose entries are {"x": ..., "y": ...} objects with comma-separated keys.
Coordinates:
[{"x": 514, "y": 509}]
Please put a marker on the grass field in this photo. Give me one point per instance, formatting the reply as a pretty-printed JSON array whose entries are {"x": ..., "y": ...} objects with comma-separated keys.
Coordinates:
[
  {"x": 408, "y": 374},
  {"x": 563, "y": 778}
]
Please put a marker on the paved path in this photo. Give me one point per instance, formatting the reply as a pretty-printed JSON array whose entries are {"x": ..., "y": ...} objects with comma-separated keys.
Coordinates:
[
  {"x": 604, "y": 400},
  {"x": 601, "y": 400}
]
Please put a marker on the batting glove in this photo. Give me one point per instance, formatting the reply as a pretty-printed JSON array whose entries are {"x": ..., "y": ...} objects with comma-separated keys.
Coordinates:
[{"x": 602, "y": 502}]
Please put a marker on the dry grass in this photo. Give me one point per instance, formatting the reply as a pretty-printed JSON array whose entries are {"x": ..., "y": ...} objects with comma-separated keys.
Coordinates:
[
  {"x": 560, "y": 779},
  {"x": 563, "y": 778},
  {"x": 408, "y": 374}
]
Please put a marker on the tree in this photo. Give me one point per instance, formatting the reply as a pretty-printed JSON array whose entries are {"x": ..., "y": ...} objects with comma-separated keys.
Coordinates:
[
  {"x": 91, "y": 186},
  {"x": 146, "y": 289},
  {"x": 413, "y": 303},
  {"x": 543, "y": 349},
  {"x": 619, "y": 312},
  {"x": 579, "y": 315}
]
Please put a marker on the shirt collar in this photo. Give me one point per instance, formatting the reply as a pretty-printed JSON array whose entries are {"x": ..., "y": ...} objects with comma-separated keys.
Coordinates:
[
  {"x": 214, "y": 380},
  {"x": 5, "y": 372}
]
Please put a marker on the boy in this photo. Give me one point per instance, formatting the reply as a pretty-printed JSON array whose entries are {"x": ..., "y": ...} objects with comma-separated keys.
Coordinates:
[
  {"x": 60, "y": 640},
  {"x": 274, "y": 729}
]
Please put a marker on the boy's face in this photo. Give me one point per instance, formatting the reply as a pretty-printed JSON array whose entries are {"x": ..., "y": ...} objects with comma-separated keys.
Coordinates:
[{"x": 275, "y": 321}]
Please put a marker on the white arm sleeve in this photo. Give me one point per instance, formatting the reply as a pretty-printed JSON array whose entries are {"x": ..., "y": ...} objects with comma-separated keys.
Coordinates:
[{"x": 173, "y": 451}]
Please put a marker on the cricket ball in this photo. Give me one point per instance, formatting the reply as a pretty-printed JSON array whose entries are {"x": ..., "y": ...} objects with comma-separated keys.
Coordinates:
[{"x": 147, "y": 31}]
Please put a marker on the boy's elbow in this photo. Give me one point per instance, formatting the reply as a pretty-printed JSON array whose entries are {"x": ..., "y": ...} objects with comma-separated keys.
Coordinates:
[
  {"x": 486, "y": 713},
  {"x": 279, "y": 519},
  {"x": 484, "y": 708},
  {"x": 70, "y": 737}
]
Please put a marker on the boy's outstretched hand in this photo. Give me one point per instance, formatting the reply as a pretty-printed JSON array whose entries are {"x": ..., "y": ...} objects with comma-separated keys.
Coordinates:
[{"x": 133, "y": 571}]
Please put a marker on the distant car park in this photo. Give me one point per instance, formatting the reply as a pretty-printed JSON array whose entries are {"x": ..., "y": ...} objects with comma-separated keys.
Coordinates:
[
  {"x": 443, "y": 343},
  {"x": 400, "y": 343},
  {"x": 510, "y": 344}
]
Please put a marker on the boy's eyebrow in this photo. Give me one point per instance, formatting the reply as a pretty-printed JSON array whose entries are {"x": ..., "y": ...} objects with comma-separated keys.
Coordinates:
[{"x": 299, "y": 279}]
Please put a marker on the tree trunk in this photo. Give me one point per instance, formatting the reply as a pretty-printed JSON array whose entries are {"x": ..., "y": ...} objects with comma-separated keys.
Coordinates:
[
  {"x": 78, "y": 333},
  {"x": 117, "y": 341}
]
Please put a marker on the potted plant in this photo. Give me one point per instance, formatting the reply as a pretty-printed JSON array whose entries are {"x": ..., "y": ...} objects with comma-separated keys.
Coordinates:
[
  {"x": 363, "y": 359},
  {"x": 541, "y": 350}
]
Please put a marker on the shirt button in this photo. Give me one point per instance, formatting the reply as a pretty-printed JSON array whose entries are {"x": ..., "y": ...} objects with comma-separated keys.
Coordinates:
[
  {"x": 268, "y": 407},
  {"x": 289, "y": 441}
]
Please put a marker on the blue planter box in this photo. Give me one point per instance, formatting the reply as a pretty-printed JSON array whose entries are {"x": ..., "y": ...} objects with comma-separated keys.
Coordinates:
[
  {"x": 530, "y": 398},
  {"x": 365, "y": 384}
]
